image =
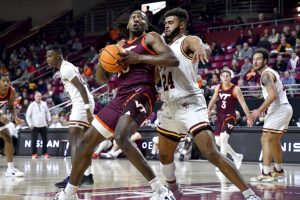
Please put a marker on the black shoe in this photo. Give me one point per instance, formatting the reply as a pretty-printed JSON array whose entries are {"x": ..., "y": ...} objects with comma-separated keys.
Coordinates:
[
  {"x": 181, "y": 157},
  {"x": 87, "y": 180},
  {"x": 63, "y": 183}
]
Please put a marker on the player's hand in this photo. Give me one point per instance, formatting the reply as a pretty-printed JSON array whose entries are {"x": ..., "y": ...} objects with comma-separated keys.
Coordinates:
[
  {"x": 90, "y": 116},
  {"x": 254, "y": 114},
  {"x": 128, "y": 57},
  {"x": 249, "y": 121},
  {"x": 19, "y": 120},
  {"x": 200, "y": 55},
  {"x": 4, "y": 120}
]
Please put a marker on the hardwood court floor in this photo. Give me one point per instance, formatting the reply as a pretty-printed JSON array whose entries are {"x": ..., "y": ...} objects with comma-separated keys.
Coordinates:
[{"x": 117, "y": 179}]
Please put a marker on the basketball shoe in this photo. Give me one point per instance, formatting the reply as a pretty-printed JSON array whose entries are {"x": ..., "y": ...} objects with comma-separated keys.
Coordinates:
[
  {"x": 46, "y": 156},
  {"x": 267, "y": 178},
  {"x": 63, "y": 183},
  {"x": 34, "y": 156},
  {"x": 62, "y": 196},
  {"x": 14, "y": 172},
  {"x": 175, "y": 189},
  {"x": 162, "y": 193},
  {"x": 95, "y": 155},
  {"x": 253, "y": 197},
  {"x": 278, "y": 174}
]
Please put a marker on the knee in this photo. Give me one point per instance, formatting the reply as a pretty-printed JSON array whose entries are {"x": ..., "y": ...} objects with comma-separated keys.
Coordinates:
[
  {"x": 166, "y": 158},
  {"x": 121, "y": 139},
  {"x": 266, "y": 139},
  {"x": 211, "y": 154}
]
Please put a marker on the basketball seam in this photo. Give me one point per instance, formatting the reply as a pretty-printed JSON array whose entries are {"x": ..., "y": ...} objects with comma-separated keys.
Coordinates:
[{"x": 110, "y": 53}]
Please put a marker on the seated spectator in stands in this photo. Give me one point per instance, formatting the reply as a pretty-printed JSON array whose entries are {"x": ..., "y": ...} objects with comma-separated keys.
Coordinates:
[
  {"x": 240, "y": 82},
  {"x": 77, "y": 45},
  {"x": 261, "y": 19},
  {"x": 279, "y": 65},
  {"x": 252, "y": 76},
  {"x": 276, "y": 14},
  {"x": 149, "y": 14},
  {"x": 214, "y": 81},
  {"x": 292, "y": 39},
  {"x": 199, "y": 80},
  {"x": 287, "y": 79},
  {"x": 89, "y": 56},
  {"x": 297, "y": 46},
  {"x": 297, "y": 29},
  {"x": 55, "y": 123},
  {"x": 264, "y": 43},
  {"x": 284, "y": 47},
  {"x": 286, "y": 32},
  {"x": 42, "y": 86},
  {"x": 240, "y": 121},
  {"x": 239, "y": 23},
  {"x": 294, "y": 63},
  {"x": 216, "y": 49},
  {"x": 238, "y": 53},
  {"x": 246, "y": 51},
  {"x": 245, "y": 67},
  {"x": 241, "y": 39},
  {"x": 252, "y": 38},
  {"x": 234, "y": 66},
  {"x": 274, "y": 37},
  {"x": 266, "y": 33},
  {"x": 87, "y": 72}
]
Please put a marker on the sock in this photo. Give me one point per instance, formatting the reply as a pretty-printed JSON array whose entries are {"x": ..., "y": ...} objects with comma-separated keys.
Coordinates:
[
  {"x": 183, "y": 152},
  {"x": 218, "y": 142},
  {"x": 247, "y": 193},
  {"x": 71, "y": 189},
  {"x": 155, "y": 183},
  {"x": 117, "y": 153},
  {"x": 278, "y": 166},
  {"x": 10, "y": 165},
  {"x": 224, "y": 143},
  {"x": 169, "y": 171},
  {"x": 266, "y": 170},
  {"x": 153, "y": 151},
  {"x": 88, "y": 171}
]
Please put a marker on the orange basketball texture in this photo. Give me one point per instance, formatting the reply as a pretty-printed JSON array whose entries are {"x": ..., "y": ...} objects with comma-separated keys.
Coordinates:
[{"x": 109, "y": 57}]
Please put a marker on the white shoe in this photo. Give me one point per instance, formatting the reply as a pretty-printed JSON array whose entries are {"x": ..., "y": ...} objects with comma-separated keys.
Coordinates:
[
  {"x": 14, "y": 172},
  {"x": 253, "y": 197},
  {"x": 238, "y": 160},
  {"x": 62, "y": 196},
  {"x": 162, "y": 193}
]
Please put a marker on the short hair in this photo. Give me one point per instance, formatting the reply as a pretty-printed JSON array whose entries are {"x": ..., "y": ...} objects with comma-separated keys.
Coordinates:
[
  {"x": 4, "y": 74},
  {"x": 55, "y": 48},
  {"x": 264, "y": 52},
  {"x": 182, "y": 14},
  {"x": 146, "y": 17},
  {"x": 226, "y": 71}
]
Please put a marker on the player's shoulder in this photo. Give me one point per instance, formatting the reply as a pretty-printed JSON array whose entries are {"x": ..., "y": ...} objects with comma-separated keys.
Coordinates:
[
  {"x": 192, "y": 38},
  {"x": 66, "y": 67}
]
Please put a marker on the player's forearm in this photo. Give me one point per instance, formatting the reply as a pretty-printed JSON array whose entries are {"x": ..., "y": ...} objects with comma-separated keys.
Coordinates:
[
  {"x": 245, "y": 109},
  {"x": 101, "y": 76},
  {"x": 162, "y": 60},
  {"x": 83, "y": 94},
  {"x": 270, "y": 99}
]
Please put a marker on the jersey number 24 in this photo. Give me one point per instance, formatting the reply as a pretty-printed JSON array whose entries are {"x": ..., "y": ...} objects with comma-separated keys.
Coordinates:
[{"x": 167, "y": 81}]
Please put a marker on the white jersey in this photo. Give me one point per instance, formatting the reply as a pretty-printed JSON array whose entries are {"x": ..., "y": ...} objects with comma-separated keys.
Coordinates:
[
  {"x": 68, "y": 71},
  {"x": 281, "y": 97},
  {"x": 179, "y": 81}
]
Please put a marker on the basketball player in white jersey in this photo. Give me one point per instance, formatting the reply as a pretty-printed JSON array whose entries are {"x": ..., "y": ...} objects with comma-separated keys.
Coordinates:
[
  {"x": 279, "y": 114},
  {"x": 185, "y": 108},
  {"x": 82, "y": 104}
]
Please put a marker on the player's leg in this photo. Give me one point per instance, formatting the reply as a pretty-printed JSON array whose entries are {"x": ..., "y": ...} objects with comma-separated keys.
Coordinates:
[
  {"x": 101, "y": 147},
  {"x": 205, "y": 143},
  {"x": 9, "y": 151}
]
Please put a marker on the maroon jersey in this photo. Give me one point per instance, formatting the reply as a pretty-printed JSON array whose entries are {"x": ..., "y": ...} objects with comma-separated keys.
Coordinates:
[
  {"x": 4, "y": 99},
  {"x": 227, "y": 101},
  {"x": 139, "y": 73}
]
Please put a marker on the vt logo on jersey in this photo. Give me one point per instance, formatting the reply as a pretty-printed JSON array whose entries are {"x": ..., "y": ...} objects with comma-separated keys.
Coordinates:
[
  {"x": 131, "y": 47},
  {"x": 224, "y": 96}
]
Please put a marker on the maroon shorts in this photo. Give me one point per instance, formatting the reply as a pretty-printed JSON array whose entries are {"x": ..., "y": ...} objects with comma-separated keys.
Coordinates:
[
  {"x": 225, "y": 123},
  {"x": 135, "y": 101}
]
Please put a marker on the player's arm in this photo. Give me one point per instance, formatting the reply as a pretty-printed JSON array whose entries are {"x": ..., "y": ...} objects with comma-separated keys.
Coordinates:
[
  {"x": 156, "y": 75},
  {"x": 11, "y": 108},
  {"x": 162, "y": 54},
  {"x": 239, "y": 95},
  {"x": 101, "y": 76},
  {"x": 213, "y": 100},
  {"x": 268, "y": 80},
  {"x": 200, "y": 51}
]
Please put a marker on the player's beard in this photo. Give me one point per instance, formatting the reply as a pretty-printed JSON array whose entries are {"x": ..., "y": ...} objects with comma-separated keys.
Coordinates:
[{"x": 173, "y": 34}]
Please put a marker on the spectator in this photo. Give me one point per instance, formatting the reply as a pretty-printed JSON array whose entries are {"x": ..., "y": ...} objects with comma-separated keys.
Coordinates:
[
  {"x": 286, "y": 32},
  {"x": 55, "y": 122},
  {"x": 274, "y": 37},
  {"x": 297, "y": 28},
  {"x": 276, "y": 14},
  {"x": 38, "y": 117},
  {"x": 245, "y": 67},
  {"x": 252, "y": 38},
  {"x": 297, "y": 46},
  {"x": 264, "y": 43},
  {"x": 239, "y": 23},
  {"x": 216, "y": 49},
  {"x": 284, "y": 47},
  {"x": 77, "y": 45},
  {"x": 241, "y": 39},
  {"x": 246, "y": 51},
  {"x": 234, "y": 66},
  {"x": 238, "y": 53},
  {"x": 261, "y": 19},
  {"x": 149, "y": 14},
  {"x": 292, "y": 39},
  {"x": 294, "y": 63},
  {"x": 287, "y": 79},
  {"x": 279, "y": 65}
]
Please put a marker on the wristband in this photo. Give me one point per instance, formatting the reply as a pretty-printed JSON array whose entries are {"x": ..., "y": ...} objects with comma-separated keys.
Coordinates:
[{"x": 87, "y": 106}]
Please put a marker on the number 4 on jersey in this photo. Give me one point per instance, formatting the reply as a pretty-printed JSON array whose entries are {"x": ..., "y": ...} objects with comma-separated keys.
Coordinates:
[{"x": 167, "y": 81}]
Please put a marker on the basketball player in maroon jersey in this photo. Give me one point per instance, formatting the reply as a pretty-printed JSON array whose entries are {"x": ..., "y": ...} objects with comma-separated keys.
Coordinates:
[
  {"x": 227, "y": 95},
  {"x": 131, "y": 106},
  {"x": 7, "y": 95}
]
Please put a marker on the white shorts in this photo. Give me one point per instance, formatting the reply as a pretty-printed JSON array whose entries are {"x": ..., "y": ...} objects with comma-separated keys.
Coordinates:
[
  {"x": 277, "y": 120},
  {"x": 179, "y": 117},
  {"x": 78, "y": 117}
]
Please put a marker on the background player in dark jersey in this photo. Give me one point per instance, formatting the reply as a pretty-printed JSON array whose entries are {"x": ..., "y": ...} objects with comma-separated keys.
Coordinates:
[
  {"x": 7, "y": 95},
  {"x": 227, "y": 95},
  {"x": 131, "y": 106}
]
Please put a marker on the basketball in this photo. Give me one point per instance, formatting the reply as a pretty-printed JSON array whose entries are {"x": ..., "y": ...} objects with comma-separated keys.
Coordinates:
[{"x": 109, "y": 57}]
